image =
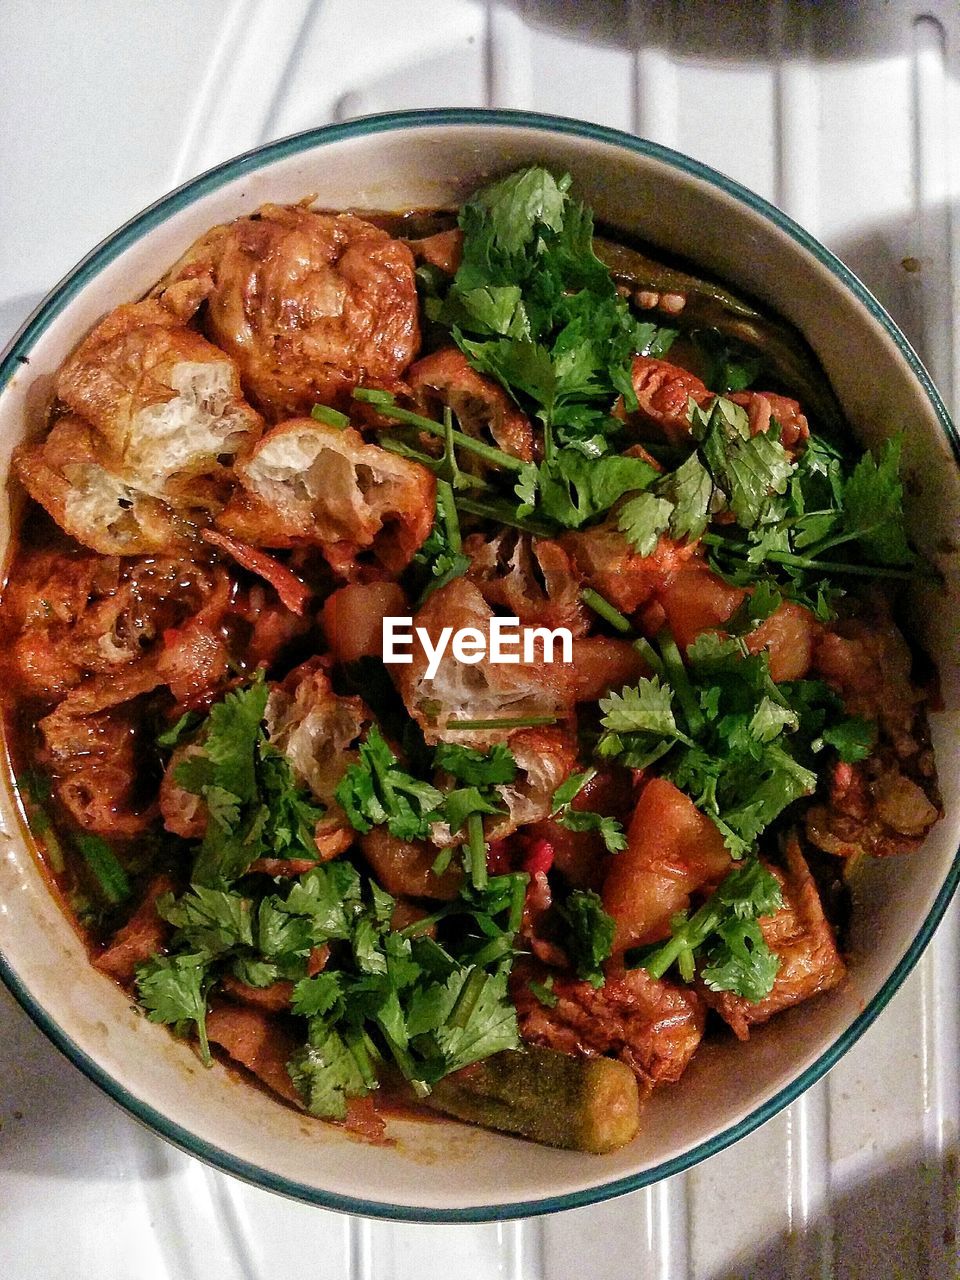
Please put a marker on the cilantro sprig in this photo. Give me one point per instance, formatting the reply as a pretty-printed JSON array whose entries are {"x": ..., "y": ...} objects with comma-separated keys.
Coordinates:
[
  {"x": 741, "y": 746},
  {"x": 722, "y": 937},
  {"x": 532, "y": 306},
  {"x": 254, "y": 806},
  {"x": 609, "y": 829}
]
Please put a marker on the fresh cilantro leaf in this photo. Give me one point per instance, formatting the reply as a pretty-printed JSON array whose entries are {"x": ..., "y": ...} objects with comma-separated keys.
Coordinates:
[
  {"x": 642, "y": 708},
  {"x": 376, "y": 792},
  {"x": 514, "y": 206},
  {"x": 749, "y": 469},
  {"x": 740, "y": 961},
  {"x": 724, "y": 935},
  {"x": 853, "y": 739},
  {"x": 183, "y": 727},
  {"x": 460, "y": 803},
  {"x": 477, "y": 768},
  {"x": 873, "y": 507},
  {"x": 587, "y": 935},
  {"x": 572, "y": 488},
  {"x": 483, "y": 1022},
  {"x": 255, "y": 973},
  {"x": 172, "y": 989},
  {"x": 209, "y": 921},
  {"x": 326, "y": 1073},
  {"x": 643, "y": 519},
  {"x": 317, "y": 995},
  {"x": 544, "y": 992},
  {"x": 611, "y": 832},
  {"x": 231, "y": 734}
]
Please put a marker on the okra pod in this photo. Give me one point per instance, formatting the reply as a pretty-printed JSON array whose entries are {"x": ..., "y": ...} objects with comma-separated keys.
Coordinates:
[{"x": 582, "y": 1104}]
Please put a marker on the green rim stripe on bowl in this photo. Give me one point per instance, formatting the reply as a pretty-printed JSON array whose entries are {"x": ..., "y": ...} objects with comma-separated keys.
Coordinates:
[{"x": 157, "y": 213}]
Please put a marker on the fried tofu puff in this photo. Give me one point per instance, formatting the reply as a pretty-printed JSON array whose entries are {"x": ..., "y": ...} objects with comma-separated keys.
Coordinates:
[
  {"x": 309, "y": 304},
  {"x": 307, "y": 484}
]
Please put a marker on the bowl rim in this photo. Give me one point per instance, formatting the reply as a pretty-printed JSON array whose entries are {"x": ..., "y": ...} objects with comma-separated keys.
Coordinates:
[{"x": 13, "y": 361}]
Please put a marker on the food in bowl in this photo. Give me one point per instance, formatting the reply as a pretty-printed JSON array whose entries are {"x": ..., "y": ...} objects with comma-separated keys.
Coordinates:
[{"x": 512, "y": 891}]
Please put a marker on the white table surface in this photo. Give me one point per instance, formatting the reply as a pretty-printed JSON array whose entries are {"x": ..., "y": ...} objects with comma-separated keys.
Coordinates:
[{"x": 848, "y": 117}]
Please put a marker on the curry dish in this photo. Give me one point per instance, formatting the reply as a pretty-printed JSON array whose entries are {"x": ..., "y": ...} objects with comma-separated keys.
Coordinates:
[{"x": 518, "y": 893}]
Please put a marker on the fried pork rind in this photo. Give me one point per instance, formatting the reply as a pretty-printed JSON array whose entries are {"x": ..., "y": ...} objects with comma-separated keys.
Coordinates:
[
  {"x": 532, "y": 578},
  {"x": 652, "y": 1025},
  {"x": 310, "y": 484},
  {"x": 605, "y": 561},
  {"x": 664, "y": 392},
  {"x": 484, "y": 691},
  {"x": 801, "y": 937},
  {"x": 309, "y": 305},
  {"x": 483, "y": 409},
  {"x": 71, "y": 616},
  {"x": 165, "y": 404},
  {"x": 94, "y": 757}
]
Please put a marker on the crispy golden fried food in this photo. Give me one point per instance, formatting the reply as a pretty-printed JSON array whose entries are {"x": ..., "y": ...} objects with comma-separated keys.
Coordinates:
[
  {"x": 532, "y": 578},
  {"x": 72, "y": 476},
  {"x": 165, "y": 404},
  {"x": 483, "y": 409},
  {"x": 801, "y": 937},
  {"x": 310, "y": 484},
  {"x": 310, "y": 305},
  {"x": 485, "y": 691},
  {"x": 887, "y": 803}
]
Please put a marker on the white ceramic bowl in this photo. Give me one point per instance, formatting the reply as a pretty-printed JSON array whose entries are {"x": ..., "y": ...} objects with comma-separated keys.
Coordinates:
[{"x": 441, "y": 1171}]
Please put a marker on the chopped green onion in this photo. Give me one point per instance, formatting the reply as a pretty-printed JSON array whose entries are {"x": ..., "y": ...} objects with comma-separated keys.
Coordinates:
[
  {"x": 677, "y": 675},
  {"x": 520, "y": 722},
  {"x": 329, "y": 417},
  {"x": 103, "y": 863},
  {"x": 595, "y": 601},
  {"x": 389, "y": 409},
  {"x": 477, "y": 848}
]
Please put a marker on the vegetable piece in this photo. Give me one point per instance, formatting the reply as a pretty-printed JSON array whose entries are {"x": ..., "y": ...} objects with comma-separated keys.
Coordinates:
[
  {"x": 533, "y": 307},
  {"x": 725, "y": 933},
  {"x": 708, "y": 305},
  {"x": 376, "y": 791},
  {"x": 581, "y": 1104},
  {"x": 110, "y": 876},
  {"x": 587, "y": 934}
]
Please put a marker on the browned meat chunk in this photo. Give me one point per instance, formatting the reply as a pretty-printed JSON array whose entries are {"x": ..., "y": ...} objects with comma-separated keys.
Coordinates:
[
  {"x": 404, "y": 867},
  {"x": 605, "y": 561},
  {"x": 653, "y": 1026},
  {"x": 258, "y": 1041},
  {"x": 801, "y": 936},
  {"x": 142, "y": 935}
]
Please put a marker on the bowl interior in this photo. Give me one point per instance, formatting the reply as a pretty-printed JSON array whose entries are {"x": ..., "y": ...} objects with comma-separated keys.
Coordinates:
[{"x": 441, "y": 1169}]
